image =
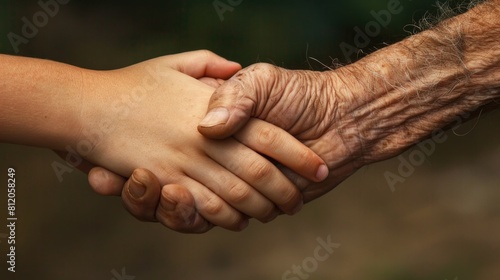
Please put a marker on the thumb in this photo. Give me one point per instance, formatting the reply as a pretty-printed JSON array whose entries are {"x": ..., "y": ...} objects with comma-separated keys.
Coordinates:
[
  {"x": 141, "y": 194},
  {"x": 229, "y": 110},
  {"x": 243, "y": 96},
  {"x": 172, "y": 205}
]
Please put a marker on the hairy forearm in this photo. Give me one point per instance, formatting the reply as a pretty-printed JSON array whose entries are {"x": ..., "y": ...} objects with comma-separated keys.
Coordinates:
[
  {"x": 404, "y": 92},
  {"x": 40, "y": 102}
]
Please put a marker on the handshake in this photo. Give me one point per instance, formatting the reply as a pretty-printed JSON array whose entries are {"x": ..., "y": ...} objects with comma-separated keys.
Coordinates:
[
  {"x": 271, "y": 138},
  {"x": 264, "y": 148}
]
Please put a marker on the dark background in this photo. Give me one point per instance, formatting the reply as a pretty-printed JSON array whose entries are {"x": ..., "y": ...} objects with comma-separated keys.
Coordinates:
[{"x": 440, "y": 223}]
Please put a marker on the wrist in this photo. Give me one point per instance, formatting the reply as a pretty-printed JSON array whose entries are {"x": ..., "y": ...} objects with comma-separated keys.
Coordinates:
[
  {"x": 94, "y": 108},
  {"x": 41, "y": 102}
]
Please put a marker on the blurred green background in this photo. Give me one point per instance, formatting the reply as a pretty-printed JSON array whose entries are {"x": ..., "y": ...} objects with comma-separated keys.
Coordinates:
[{"x": 440, "y": 223}]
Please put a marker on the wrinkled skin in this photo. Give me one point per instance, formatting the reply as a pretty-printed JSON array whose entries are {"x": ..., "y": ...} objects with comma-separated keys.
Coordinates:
[{"x": 302, "y": 103}]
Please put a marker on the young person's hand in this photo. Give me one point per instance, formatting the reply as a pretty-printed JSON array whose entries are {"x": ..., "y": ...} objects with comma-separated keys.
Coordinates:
[{"x": 146, "y": 115}]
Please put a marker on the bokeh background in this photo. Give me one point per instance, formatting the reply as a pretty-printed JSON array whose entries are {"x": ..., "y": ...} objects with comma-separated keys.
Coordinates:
[{"x": 442, "y": 222}]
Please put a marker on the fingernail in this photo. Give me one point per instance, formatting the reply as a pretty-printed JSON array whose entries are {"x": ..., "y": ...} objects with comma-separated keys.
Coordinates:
[
  {"x": 136, "y": 188},
  {"x": 298, "y": 208},
  {"x": 322, "y": 173},
  {"x": 243, "y": 225},
  {"x": 215, "y": 117}
]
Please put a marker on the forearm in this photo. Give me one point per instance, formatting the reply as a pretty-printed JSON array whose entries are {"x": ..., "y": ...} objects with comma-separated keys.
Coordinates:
[
  {"x": 402, "y": 93},
  {"x": 40, "y": 102}
]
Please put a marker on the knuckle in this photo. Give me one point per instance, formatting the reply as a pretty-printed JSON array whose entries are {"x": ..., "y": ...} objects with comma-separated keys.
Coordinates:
[
  {"x": 267, "y": 74},
  {"x": 223, "y": 179},
  {"x": 230, "y": 89},
  {"x": 264, "y": 69},
  {"x": 260, "y": 171},
  {"x": 206, "y": 53},
  {"x": 288, "y": 197},
  {"x": 258, "y": 74},
  {"x": 239, "y": 193},
  {"x": 268, "y": 137},
  {"x": 212, "y": 206}
]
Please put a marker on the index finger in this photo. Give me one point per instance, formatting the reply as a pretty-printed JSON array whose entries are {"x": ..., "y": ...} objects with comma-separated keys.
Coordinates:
[
  {"x": 203, "y": 63},
  {"x": 278, "y": 144}
]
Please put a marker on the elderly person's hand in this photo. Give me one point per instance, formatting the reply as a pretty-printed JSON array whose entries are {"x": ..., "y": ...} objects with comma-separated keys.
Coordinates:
[
  {"x": 142, "y": 195},
  {"x": 376, "y": 108}
]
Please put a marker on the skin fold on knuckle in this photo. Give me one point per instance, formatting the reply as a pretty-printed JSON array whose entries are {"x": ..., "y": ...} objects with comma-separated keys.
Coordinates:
[
  {"x": 211, "y": 206},
  {"x": 284, "y": 194},
  {"x": 260, "y": 171},
  {"x": 268, "y": 138},
  {"x": 258, "y": 84},
  {"x": 206, "y": 55},
  {"x": 232, "y": 95},
  {"x": 289, "y": 199},
  {"x": 238, "y": 193}
]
